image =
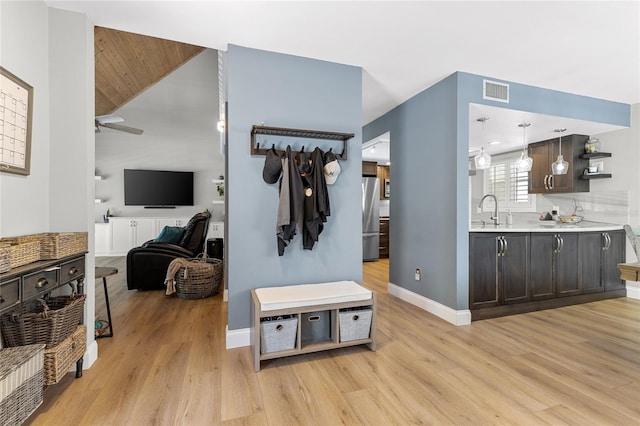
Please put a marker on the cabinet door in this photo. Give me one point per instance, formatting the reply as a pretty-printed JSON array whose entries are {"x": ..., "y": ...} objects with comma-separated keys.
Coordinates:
[
  {"x": 121, "y": 235},
  {"x": 514, "y": 268},
  {"x": 144, "y": 230},
  {"x": 541, "y": 276},
  {"x": 615, "y": 253},
  {"x": 541, "y": 168},
  {"x": 483, "y": 270},
  {"x": 165, "y": 221},
  {"x": 369, "y": 168},
  {"x": 589, "y": 261},
  {"x": 566, "y": 265}
]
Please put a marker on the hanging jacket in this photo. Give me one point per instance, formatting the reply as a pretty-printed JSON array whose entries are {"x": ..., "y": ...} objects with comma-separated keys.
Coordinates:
[
  {"x": 291, "y": 201},
  {"x": 316, "y": 200}
]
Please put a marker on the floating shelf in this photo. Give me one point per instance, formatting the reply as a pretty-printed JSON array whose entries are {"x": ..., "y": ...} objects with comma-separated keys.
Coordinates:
[
  {"x": 218, "y": 181},
  {"x": 596, "y": 155},
  {"x": 218, "y": 201},
  {"x": 596, "y": 176},
  {"x": 97, "y": 177},
  {"x": 297, "y": 133}
]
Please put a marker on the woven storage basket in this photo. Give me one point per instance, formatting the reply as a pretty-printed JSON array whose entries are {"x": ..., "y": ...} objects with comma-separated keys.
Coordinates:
[
  {"x": 202, "y": 278},
  {"x": 21, "y": 383},
  {"x": 5, "y": 264},
  {"x": 22, "y": 250},
  {"x": 60, "y": 358},
  {"x": 40, "y": 322},
  {"x": 56, "y": 245}
]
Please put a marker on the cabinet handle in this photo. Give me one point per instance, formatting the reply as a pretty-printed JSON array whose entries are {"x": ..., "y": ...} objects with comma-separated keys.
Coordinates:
[
  {"x": 499, "y": 241},
  {"x": 561, "y": 240},
  {"x": 41, "y": 282},
  {"x": 545, "y": 181},
  {"x": 73, "y": 271},
  {"x": 505, "y": 246},
  {"x": 607, "y": 241},
  {"x": 557, "y": 238},
  {"x": 550, "y": 182}
]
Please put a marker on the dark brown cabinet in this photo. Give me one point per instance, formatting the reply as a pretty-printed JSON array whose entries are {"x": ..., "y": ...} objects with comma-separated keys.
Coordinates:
[
  {"x": 544, "y": 153},
  {"x": 369, "y": 169},
  {"x": 498, "y": 269},
  {"x": 383, "y": 177},
  {"x": 554, "y": 261},
  {"x": 520, "y": 272},
  {"x": 384, "y": 238}
]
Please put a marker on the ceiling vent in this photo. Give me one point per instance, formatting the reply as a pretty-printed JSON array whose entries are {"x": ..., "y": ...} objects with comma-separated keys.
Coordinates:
[{"x": 495, "y": 91}]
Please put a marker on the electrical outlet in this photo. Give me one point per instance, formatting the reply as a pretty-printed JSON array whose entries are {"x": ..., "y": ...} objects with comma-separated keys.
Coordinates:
[{"x": 418, "y": 274}]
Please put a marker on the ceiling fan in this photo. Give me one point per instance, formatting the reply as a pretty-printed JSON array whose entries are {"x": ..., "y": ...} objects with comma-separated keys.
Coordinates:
[{"x": 110, "y": 122}]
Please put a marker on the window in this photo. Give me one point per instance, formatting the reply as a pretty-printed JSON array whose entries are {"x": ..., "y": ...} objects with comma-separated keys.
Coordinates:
[{"x": 510, "y": 186}]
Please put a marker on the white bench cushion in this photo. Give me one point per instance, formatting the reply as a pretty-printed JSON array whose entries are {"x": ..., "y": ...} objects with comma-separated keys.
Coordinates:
[{"x": 295, "y": 296}]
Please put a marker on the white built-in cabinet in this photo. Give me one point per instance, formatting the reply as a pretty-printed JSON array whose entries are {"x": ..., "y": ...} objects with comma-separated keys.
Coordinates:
[
  {"x": 122, "y": 234},
  {"x": 127, "y": 233}
]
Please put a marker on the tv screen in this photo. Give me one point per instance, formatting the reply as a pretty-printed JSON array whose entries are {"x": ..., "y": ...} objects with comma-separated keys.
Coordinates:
[{"x": 157, "y": 188}]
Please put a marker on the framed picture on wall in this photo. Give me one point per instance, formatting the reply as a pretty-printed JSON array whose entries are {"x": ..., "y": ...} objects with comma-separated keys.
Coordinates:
[{"x": 16, "y": 110}]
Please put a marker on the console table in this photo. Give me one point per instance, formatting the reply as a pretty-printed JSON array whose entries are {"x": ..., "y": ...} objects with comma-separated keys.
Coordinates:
[{"x": 28, "y": 282}]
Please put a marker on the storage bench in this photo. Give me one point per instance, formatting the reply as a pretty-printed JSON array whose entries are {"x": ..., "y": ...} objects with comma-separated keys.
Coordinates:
[{"x": 298, "y": 319}]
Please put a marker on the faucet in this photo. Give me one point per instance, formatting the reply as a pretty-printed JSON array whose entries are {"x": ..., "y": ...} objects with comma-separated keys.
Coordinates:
[{"x": 495, "y": 212}]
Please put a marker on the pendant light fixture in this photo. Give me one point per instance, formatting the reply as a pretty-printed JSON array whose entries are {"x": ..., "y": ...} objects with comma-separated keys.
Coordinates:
[
  {"x": 482, "y": 160},
  {"x": 525, "y": 162},
  {"x": 560, "y": 167}
]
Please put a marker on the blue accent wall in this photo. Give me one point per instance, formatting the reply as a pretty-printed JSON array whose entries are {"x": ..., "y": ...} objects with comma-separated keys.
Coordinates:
[
  {"x": 429, "y": 176},
  {"x": 287, "y": 91}
]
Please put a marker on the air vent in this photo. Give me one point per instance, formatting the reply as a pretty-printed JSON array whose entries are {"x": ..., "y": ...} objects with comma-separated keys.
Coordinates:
[{"x": 495, "y": 91}]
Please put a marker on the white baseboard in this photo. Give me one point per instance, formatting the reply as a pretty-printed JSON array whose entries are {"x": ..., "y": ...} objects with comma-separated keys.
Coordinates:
[
  {"x": 448, "y": 314},
  {"x": 238, "y": 338},
  {"x": 90, "y": 356},
  {"x": 633, "y": 290},
  {"x": 225, "y": 295}
]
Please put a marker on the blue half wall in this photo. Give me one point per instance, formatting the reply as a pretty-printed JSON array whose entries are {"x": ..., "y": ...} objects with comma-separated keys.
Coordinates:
[{"x": 429, "y": 208}]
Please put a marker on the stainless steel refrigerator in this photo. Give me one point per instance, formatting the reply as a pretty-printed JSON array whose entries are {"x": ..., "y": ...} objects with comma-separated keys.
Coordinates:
[{"x": 370, "y": 218}]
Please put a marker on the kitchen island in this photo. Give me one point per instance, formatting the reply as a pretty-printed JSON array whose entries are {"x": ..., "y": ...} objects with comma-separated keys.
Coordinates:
[{"x": 534, "y": 265}]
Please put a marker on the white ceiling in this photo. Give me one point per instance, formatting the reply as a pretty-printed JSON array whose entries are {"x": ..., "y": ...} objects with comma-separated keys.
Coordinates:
[{"x": 589, "y": 48}]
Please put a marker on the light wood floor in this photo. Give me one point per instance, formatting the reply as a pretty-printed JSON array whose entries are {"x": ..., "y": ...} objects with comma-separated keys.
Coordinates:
[{"x": 167, "y": 365}]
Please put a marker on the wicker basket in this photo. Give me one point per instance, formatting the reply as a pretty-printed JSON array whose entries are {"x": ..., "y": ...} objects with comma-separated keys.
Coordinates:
[
  {"x": 5, "y": 252},
  {"x": 56, "y": 245},
  {"x": 40, "y": 322},
  {"x": 21, "y": 383},
  {"x": 202, "y": 278},
  {"x": 60, "y": 358},
  {"x": 22, "y": 250}
]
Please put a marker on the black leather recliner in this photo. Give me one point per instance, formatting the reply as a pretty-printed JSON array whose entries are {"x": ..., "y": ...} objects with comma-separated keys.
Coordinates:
[{"x": 147, "y": 265}]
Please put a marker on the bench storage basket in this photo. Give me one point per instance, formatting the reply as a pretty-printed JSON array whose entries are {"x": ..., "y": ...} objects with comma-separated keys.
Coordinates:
[
  {"x": 200, "y": 279},
  {"x": 47, "y": 322},
  {"x": 355, "y": 324},
  {"x": 5, "y": 252},
  {"x": 278, "y": 333}
]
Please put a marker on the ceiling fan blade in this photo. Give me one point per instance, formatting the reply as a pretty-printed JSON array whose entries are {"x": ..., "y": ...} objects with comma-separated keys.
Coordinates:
[{"x": 122, "y": 128}]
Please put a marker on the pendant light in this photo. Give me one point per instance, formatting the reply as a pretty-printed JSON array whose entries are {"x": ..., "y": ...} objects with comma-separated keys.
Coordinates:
[
  {"x": 525, "y": 162},
  {"x": 560, "y": 167},
  {"x": 482, "y": 160}
]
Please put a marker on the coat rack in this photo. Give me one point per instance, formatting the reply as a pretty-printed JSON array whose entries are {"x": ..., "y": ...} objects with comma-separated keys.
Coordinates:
[{"x": 297, "y": 133}]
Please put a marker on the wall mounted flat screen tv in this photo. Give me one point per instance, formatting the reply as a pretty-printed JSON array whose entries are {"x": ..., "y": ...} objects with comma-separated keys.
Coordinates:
[{"x": 157, "y": 188}]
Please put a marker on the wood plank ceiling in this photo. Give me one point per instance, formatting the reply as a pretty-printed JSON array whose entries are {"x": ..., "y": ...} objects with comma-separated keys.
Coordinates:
[{"x": 126, "y": 64}]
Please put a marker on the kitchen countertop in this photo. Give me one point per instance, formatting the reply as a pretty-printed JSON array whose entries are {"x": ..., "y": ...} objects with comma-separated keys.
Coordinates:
[{"x": 528, "y": 225}]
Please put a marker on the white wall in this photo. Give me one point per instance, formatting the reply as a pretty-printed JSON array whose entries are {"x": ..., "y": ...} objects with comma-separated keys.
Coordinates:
[
  {"x": 52, "y": 50},
  {"x": 178, "y": 115},
  {"x": 24, "y": 34}
]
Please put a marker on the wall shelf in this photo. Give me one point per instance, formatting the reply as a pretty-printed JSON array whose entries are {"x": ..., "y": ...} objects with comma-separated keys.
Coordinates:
[
  {"x": 297, "y": 133},
  {"x": 596, "y": 176},
  {"x": 596, "y": 155}
]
